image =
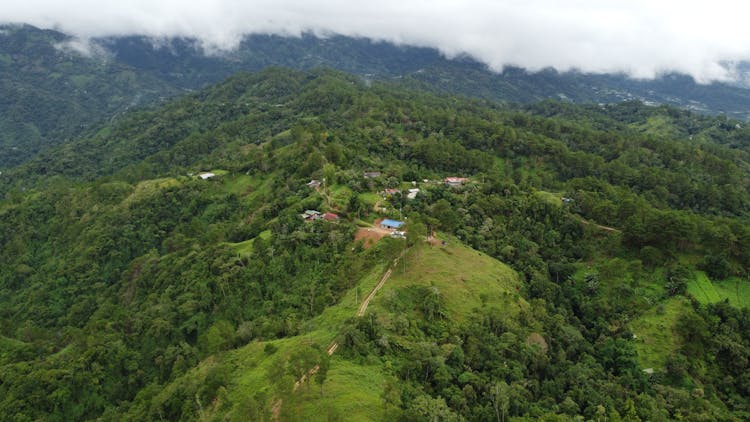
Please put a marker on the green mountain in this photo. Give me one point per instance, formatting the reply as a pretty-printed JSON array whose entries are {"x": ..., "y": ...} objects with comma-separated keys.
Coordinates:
[
  {"x": 56, "y": 88},
  {"x": 51, "y": 94},
  {"x": 589, "y": 262}
]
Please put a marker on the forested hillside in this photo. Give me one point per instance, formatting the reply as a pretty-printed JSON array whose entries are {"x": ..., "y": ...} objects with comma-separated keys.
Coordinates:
[
  {"x": 582, "y": 261},
  {"x": 56, "y": 88},
  {"x": 51, "y": 93}
]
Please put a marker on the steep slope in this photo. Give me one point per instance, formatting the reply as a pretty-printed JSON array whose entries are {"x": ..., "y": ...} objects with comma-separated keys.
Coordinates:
[
  {"x": 51, "y": 93},
  {"x": 136, "y": 285},
  {"x": 352, "y": 387}
]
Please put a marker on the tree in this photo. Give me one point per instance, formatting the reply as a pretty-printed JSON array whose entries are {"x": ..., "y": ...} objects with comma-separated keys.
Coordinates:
[
  {"x": 322, "y": 374},
  {"x": 391, "y": 394},
  {"x": 677, "y": 280},
  {"x": 415, "y": 232},
  {"x": 500, "y": 397}
]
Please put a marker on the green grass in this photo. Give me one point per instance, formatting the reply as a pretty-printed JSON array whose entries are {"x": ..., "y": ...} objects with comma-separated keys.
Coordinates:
[
  {"x": 246, "y": 247},
  {"x": 549, "y": 197},
  {"x": 655, "y": 335},
  {"x": 467, "y": 279},
  {"x": 353, "y": 389},
  {"x": 340, "y": 195},
  {"x": 240, "y": 185},
  {"x": 703, "y": 289},
  {"x": 736, "y": 290},
  {"x": 369, "y": 198},
  {"x": 147, "y": 188},
  {"x": 661, "y": 126}
]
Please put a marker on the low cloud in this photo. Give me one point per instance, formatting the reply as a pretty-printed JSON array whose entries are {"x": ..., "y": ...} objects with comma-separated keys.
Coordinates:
[{"x": 641, "y": 38}]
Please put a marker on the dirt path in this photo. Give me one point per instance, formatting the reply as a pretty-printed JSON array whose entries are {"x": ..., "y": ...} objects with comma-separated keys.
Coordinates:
[
  {"x": 363, "y": 306},
  {"x": 335, "y": 345},
  {"x": 598, "y": 226},
  {"x": 371, "y": 235}
]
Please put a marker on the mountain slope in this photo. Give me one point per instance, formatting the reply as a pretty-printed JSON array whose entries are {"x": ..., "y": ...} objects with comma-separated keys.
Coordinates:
[
  {"x": 51, "y": 92},
  {"x": 134, "y": 286}
]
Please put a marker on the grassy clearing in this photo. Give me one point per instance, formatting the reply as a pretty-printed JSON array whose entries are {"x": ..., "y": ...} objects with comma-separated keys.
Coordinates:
[
  {"x": 467, "y": 279},
  {"x": 703, "y": 289},
  {"x": 240, "y": 185},
  {"x": 660, "y": 126},
  {"x": 340, "y": 196},
  {"x": 369, "y": 198},
  {"x": 246, "y": 247},
  {"x": 656, "y": 337},
  {"x": 551, "y": 198},
  {"x": 351, "y": 390},
  {"x": 147, "y": 188},
  {"x": 734, "y": 289}
]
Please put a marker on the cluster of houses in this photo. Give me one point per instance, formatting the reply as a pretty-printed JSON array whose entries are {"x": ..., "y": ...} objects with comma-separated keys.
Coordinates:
[
  {"x": 312, "y": 215},
  {"x": 410, "y": 193},
  {"x": 393, "y": 226}
]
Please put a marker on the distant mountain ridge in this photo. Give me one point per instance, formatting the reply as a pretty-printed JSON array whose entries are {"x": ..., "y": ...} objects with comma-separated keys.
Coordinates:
[{"x": 51, "y": 93}]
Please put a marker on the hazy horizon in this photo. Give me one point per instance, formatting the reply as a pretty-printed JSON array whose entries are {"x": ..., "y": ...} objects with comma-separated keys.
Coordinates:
[{"x": 642, "y": 39}]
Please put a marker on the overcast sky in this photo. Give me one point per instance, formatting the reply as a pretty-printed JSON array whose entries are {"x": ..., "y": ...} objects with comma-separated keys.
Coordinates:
[{"x": 640, "y": 37}]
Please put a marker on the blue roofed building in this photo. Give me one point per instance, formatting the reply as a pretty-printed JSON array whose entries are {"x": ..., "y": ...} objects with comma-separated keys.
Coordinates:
[{"x": 391, "y": 224}]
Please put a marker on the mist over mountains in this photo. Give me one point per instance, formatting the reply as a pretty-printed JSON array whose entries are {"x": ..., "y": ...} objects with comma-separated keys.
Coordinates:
[{"x": 57, "y": 87}]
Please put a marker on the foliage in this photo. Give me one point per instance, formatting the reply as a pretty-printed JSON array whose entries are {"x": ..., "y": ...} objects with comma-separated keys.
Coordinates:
[{"x": 131, "y": 288}]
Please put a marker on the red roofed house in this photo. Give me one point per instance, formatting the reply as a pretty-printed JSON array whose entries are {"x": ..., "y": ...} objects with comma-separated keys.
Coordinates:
[
  {"x": 455, "y": 181},
  {"x": 329, "y": 216}
]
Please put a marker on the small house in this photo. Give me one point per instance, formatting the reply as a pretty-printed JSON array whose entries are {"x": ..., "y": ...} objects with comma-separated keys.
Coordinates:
[
  {"x": 310, "y": 215},
  {"x": 371, "y": 174},
  {"x": 391, "y": 224},
  {"x": 412, "y": 193},
  {"x": 455, "y": 181},
  {"x": 329, "y": 216},
  {"x": 391, "y": 192},
  {"x": 206, "y": 175},
  {"x": 314, "y": 184}
]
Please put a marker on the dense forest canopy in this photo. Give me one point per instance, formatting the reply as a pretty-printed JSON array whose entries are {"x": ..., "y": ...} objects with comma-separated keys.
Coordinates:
[
  {"x": 590, "y": 264},
  {"x": 57, "y": 88}
]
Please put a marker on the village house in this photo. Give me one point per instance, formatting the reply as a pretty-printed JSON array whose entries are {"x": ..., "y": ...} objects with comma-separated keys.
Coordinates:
[
  {"x": 412, "y": 193},
  {"x": 329, "y": 216},
  {"x": 391, "y": 224},
  {"x": 391, "y": 192},
  {"x": 310, "y": 215},
  {"x": 455, "y": 181},
  {"x": 206, "y": 175},
  {"x": 314, "y": 184},
  {"x": 371, "y": 174}
]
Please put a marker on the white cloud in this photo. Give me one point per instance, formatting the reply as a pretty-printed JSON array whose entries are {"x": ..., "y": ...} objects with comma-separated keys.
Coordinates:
[{"x": 640, "y": 37}]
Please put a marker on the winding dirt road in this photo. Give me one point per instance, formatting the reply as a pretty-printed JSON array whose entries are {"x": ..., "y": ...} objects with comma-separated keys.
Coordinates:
[
  {"x": 363, "y": 306},
  {"x": 335, "y": 345}
]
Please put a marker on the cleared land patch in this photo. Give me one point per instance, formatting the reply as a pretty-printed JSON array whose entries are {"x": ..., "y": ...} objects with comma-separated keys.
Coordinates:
[
  {"x": 736, "y": 290},
  {"x": 655, "y": 332}
]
